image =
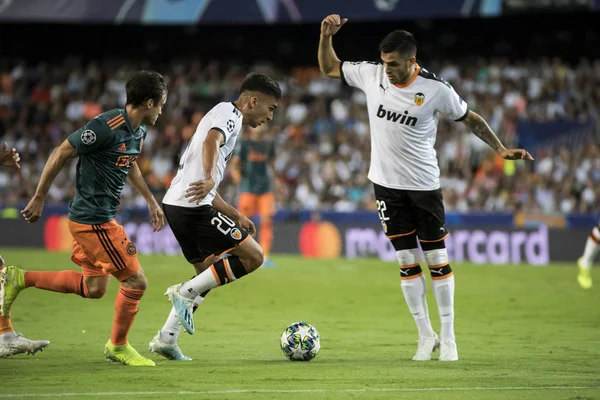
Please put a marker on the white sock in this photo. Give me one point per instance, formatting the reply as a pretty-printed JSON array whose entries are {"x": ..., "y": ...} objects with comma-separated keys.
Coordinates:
[
  {"x": 199, "y": 284},
  {"x": 444, "y": 295},
  {"x": 414, "y": 292},
  {"x": 591, "y": 248},
  {"x": 442, "y": 283},
  {"x": 170, "y": 331}
]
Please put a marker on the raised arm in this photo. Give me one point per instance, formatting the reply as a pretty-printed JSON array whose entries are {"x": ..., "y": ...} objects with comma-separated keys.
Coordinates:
[
  {"x": 482, "y": 130},
  {"x": 329, "y": 63}
]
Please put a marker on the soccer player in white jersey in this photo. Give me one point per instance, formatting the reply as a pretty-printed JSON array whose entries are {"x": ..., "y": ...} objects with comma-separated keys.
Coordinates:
[
  {"x": 404, "y": 102},
  {"x": 205, "y": 226}
]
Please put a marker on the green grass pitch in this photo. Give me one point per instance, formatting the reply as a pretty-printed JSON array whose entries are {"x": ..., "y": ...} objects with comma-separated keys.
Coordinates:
[{"x": 522, "y": 333}]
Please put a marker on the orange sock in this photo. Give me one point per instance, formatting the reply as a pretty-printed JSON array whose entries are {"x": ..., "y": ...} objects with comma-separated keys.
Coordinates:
[
  {"x": 5, "y": 325},
  {"x": 266, "y": 235},
  {"x": 60, "y": 281},
  {"x": 126, "y": 306}
]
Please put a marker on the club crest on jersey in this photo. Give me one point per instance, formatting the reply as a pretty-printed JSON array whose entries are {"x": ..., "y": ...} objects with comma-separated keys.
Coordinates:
[
  {"x": 131, "y": 248},
  {"x": 88, "y": 137},
  {"x": 236, "y": 234},
  {"x": 419, "y": 99}
]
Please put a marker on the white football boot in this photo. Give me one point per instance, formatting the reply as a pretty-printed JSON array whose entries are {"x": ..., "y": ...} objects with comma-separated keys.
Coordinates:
[
  {"x": 169, "y": 351},
  {"x": 426, "y": 347},
  {"x": 14, "y": 343},
  {"x": 448, "y": 351}
]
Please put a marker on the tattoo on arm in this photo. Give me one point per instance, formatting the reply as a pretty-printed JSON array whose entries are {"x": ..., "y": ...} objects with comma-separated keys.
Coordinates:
[{"x": 482, "y": 130}]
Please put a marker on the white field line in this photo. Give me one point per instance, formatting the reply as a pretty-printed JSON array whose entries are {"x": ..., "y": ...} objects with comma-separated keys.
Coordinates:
[{"x": 244, "y": 391}]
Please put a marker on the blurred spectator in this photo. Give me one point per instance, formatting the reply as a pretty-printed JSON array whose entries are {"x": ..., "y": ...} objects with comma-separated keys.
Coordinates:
[{"x": 322, "y": 131}]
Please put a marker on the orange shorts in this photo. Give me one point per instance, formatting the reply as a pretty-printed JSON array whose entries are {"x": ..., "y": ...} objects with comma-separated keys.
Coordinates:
[
  {"x": 251, "y": 203},
  {"x": 103, "y": 250}
]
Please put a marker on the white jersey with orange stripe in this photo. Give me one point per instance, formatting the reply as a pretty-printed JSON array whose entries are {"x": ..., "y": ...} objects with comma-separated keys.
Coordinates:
[{"x": 403, "y": 122}]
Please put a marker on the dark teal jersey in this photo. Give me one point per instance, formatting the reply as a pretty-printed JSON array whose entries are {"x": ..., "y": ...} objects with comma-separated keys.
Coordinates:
[
  {"x": 255, "y": 157},
  {"x": 107, "y": 147}
]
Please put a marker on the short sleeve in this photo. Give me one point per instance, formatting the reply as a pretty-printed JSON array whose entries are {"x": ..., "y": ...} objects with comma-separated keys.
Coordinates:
[
  {"x": 358, "y": 74},
  {"x": 223, "y": 120},
  {"x": 451, "y": 104},
  {"x": 94, "y": 136}
]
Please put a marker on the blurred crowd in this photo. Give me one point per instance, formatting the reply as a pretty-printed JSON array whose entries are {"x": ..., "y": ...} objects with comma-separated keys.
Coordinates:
[{"x": 322, "y": 131}]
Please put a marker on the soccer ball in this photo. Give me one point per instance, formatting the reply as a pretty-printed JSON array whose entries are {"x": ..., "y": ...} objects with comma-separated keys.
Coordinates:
[{"x": 300, "y": 342}]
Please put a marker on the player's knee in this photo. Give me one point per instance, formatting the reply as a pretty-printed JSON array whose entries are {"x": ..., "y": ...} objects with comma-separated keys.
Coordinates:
[
  {"x": 255, "y": 259},
  {"x": 435, "y": 252},
  {"x": 94, "y": 287},
  {"x": 96, "y": 291},
  {"x": 137, "y": 281},
  {"x": 407, "y": 257}
]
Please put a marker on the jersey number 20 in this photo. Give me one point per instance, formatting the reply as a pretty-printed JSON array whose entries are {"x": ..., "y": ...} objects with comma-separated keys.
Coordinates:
[{"x": 220, "y": 220}]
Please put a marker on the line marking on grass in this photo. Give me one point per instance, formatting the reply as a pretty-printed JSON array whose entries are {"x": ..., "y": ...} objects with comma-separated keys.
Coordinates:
[{"x": 245, "y": 391}]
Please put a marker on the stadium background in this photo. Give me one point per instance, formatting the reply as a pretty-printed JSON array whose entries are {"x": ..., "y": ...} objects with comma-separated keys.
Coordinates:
[{"x": 530, "y": 68}]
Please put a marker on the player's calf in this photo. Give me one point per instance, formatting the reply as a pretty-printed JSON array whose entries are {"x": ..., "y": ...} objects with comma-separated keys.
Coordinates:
[
  {"x": 245, "y": 259},
  {"x": 250, "y": 254},
  {"x": 414, "y": 287},
  {"x": 413, "y": 282},
  {"x": 130, "y": 293},
  {"x": 442, "y": 281},
  {"x": 67, "y": 281}
]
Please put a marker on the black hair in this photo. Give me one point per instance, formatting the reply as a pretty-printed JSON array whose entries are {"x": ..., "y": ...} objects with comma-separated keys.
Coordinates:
[
  {"x": 256, "y": 82},
  {"x": 401, "y": 41},
  {"x": 144, "y": 86}
]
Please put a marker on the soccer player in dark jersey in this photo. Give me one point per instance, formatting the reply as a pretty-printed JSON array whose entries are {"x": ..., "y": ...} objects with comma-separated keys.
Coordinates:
[
  {"x": 254, "y": 158},
  {"x": 107, "y": 147},
  {"x": 12, "y": 343}
]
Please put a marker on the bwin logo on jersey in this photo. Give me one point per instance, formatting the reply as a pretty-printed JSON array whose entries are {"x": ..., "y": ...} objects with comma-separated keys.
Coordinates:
[
  {"x": 393, "y": 116},
  {"x": 419, "y": 99}
]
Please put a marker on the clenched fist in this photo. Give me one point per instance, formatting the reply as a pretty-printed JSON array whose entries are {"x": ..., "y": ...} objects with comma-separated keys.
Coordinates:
[{"x": 331, "y": 24}]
